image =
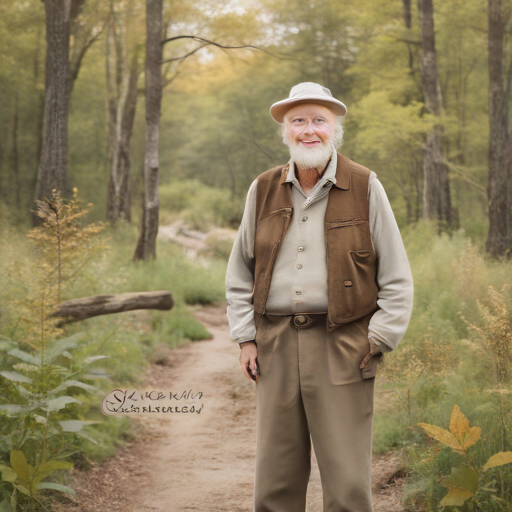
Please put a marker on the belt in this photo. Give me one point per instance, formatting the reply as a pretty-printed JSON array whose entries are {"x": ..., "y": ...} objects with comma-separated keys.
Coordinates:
[{"x": 304, "y": 320}]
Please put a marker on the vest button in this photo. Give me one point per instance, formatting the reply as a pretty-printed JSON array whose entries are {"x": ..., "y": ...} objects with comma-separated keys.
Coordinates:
[
  {"x": 299, "y": 266},
  {"x": 301, "y": 249},
  {"x": 304, "y": 219}
]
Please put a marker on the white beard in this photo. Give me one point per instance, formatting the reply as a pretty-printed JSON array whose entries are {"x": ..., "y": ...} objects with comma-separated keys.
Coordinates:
[{"x": 310, "y": 158}]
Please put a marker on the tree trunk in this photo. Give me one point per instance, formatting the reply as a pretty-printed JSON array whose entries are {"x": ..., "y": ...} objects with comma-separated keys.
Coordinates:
[
  {"x": 122, "y": 79},
  {"x": 53, "y": 165},
  {"x": 408, "y": 26},
  {"x": 407, "y": 13},
  {"x": 146, "y": 245},
  {"x": 436, "y": 187},
  {"x": 88, "y": 307},
  {"x": 499, "y": 189},
  {"x": 15, "y": 155}
]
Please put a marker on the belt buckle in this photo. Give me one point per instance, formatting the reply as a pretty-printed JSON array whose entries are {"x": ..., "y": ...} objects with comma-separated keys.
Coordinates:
[{"x": 302, "y": 321}]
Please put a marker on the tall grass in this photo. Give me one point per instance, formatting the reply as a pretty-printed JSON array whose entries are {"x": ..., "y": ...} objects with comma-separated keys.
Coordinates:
[{"x": 460, "y": 327}]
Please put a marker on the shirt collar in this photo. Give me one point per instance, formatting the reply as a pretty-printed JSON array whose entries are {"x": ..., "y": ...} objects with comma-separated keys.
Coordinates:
[{"x": 328, "y": 175}]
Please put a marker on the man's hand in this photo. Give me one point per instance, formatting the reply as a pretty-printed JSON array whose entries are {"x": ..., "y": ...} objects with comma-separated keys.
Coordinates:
[
  {"x": 374, "y": 350},
  {"x": 248, "y": 355}
]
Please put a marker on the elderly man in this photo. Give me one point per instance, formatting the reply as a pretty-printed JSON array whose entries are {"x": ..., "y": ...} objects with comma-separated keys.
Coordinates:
[{"x": 318, "y": 287}]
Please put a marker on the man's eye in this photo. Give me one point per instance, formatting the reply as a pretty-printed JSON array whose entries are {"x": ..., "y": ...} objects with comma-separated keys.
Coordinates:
[
  {"x": 300, "y": 120},
  {"x": 319, "y": 120}
]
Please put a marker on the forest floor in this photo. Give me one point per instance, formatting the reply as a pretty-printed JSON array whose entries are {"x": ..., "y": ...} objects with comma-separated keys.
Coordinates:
[{"x": 204, "y": 461}]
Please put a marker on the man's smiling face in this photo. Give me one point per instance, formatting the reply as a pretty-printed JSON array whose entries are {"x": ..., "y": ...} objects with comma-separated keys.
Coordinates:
[
  {"x": 309, "y": 133},
  {"x": 309, "y": 124}
]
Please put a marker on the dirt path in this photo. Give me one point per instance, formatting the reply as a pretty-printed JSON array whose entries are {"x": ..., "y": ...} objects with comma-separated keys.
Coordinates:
[{"x": 200, "y": 461}]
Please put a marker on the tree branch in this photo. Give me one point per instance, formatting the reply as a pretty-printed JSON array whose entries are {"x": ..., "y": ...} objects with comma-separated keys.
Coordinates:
[
  {"x": 405, "y": 40},
  {"x": 187, "y": 55},
  {"x": 213, "y": 43}
]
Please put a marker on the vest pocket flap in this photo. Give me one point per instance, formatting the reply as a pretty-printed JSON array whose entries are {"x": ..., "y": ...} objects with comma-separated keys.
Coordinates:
[
  {"x": 286, "y": 211},
  {"x": 332, "y": 224},
  {"x": 363, "y": 256}
]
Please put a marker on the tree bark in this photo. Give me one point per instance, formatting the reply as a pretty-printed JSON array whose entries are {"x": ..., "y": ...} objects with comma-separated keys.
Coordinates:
[
  {"x": 499, "y": 188},
  {"x": 88, "y": 307},
  {"x": 122, "y": 79},
  {"x": 436, "y": 187},
  {"x": 408, "y": 26},
  {"x": 146, "y": 245},
  {"x": 53, "y": 165},
  {"x": 407, "y": 13},
  {"x": 15, "y": 155}
]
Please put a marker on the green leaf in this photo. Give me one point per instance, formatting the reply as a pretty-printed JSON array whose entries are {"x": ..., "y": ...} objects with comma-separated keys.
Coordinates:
[
  {"x": 23, "y": 391},
  {"x": 25, "y": 356},
  {"x": 16, "y": 377},
  {"x": 456, "y": 497},
  {"x": 40, "y": 419},
  {"x": 22, "y": 489},
  {"x": 498, "y": 459},
  {"x": 56, "y": 404},
  {"x": 11, "y": 409},
  {"x": 74, "y": 383},
  {"x": 50, "y": 466},
  {"x": 5, "y": 506},
  {"x": 91, "y": 359},
  {"x": 25, "y": 367},
  {"x": 75, "y": 425},
  {"x": 8, "y": 474},
  {"x": 81, "y": 433},
  {"x": 62, "y": 346},
  {"x": 20, "y": 465},
  {"x": 55, "y": 487},
  {"x": 462, "y": 478}
]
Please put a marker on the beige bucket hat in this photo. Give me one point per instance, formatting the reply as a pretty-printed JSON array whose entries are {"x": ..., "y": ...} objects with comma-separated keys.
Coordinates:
[{"x": 307, "y": 92}]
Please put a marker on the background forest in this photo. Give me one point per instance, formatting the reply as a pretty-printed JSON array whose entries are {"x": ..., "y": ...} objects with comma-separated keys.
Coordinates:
[{"x": 428, "y": 88}]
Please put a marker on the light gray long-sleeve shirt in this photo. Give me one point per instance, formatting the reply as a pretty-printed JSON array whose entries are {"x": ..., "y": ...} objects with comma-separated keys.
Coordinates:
[{"x": 299, "y": 278}]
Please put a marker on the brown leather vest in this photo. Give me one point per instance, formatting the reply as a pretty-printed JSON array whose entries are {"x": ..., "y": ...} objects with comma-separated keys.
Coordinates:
[{"x": 351, "y": 261}]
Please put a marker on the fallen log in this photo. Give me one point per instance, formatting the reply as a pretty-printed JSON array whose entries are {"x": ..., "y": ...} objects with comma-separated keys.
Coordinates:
[{"x": 87, "y": 307}]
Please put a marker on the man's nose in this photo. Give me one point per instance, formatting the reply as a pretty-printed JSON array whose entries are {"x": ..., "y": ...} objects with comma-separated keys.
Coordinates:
[{"x": 310, "y": 127}]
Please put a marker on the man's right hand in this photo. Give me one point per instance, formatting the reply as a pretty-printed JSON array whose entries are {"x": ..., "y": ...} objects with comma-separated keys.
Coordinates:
[{"x": 248, "y": 356}]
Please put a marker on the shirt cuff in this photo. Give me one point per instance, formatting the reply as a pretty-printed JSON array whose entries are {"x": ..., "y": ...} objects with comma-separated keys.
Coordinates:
[
  {"x": 382, "y": 346},
  {"x": 244, "y": 338},
  {"x": 240, "y": 343}
]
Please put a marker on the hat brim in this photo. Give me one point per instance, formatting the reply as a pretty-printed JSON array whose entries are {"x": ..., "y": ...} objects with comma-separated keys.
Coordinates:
[{"x": 278, "y": 110}]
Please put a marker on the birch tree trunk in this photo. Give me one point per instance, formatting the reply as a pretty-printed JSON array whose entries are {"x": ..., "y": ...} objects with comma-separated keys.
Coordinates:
[
  {"x": 122, "y": 79},
  {"x": 146, "y": 245},
  {"x": 499, "y": 188},
  {"x": 436, "y": 187},
  {"x": 53, "y": 164}
]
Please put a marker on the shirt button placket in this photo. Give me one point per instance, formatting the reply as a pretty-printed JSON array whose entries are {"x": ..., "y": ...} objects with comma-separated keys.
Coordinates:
[{"x": 298, "y": 264}]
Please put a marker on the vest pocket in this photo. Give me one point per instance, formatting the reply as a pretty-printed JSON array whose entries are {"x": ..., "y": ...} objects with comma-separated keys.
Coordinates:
[
  {"x": 351, "y": 264},
  {"x": 269, "y": 234}
]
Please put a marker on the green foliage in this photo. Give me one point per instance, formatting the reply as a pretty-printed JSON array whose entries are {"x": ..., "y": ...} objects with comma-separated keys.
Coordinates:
[
  {"x": 42, "y": 382},
  {"x": 201, "y": 206},
  {"x": 50, "y": 386},
  {"x": 465, "y": 482},
  {"x": 456, "y": 350},
  {"x": 388, "y": 433}
]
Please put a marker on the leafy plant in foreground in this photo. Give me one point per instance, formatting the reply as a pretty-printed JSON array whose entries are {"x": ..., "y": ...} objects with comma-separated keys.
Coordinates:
[
  {"x": 40, "y": 379},
  {"x": 467, "y": 481}
]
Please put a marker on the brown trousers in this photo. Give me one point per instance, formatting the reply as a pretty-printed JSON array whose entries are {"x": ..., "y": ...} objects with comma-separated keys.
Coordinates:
[{"x": 311, "y": 388}]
